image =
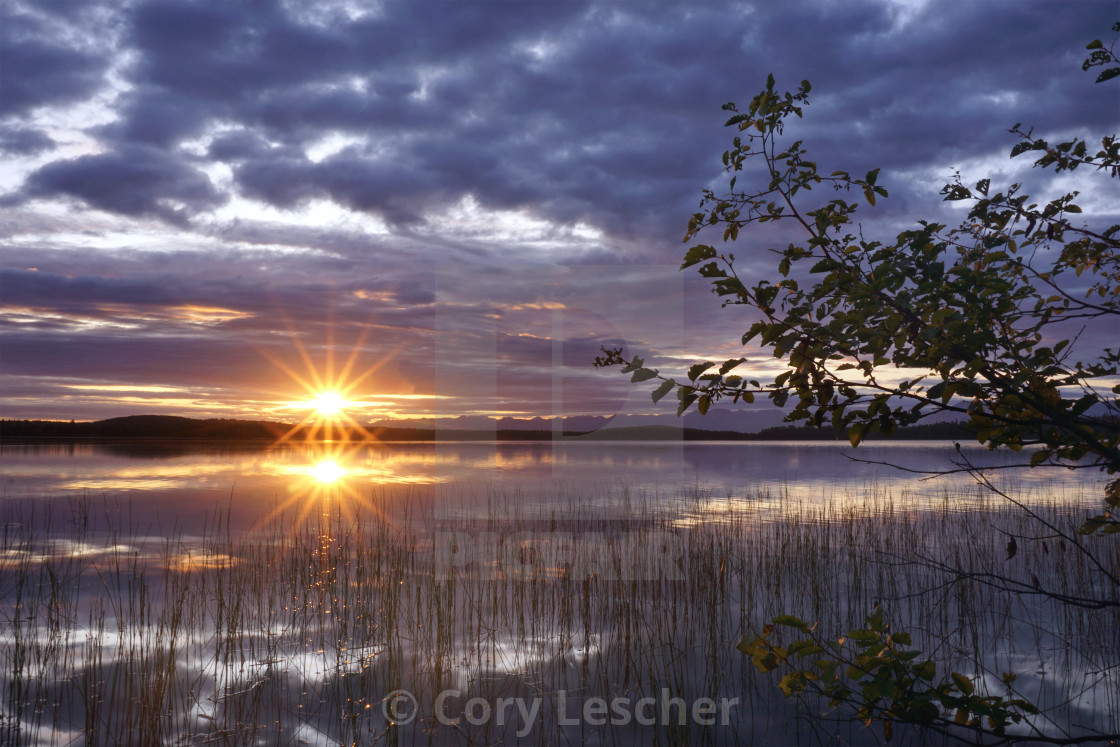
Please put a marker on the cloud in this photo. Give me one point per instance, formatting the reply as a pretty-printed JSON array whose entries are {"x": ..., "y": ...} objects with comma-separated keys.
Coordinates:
[
  {"x": 451, "y": 179},
  {"x": 134, "y": 180},
  {"x": 42, "y": 67},
  {"x": 238, "y": 145},
  {"x": 80, "y": 294},
  {"x": 24, "y": 141},
  {"x": 594, "y": 114}
]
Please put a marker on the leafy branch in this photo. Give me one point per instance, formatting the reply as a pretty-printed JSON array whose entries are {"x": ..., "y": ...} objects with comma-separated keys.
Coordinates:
[
  {"x": 873, "y": 672},
  {"x": 978, "y": 310}
]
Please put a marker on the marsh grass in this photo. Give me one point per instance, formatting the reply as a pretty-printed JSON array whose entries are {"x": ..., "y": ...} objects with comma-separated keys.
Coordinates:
[{"x": 296, "y": 632}]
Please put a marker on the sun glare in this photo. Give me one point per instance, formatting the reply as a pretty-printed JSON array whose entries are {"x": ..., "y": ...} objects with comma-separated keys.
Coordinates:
[
  {"x": 327, "y": 411},
  {"x": 328, "y": 404},
  {"x": 327, "y": 471}
]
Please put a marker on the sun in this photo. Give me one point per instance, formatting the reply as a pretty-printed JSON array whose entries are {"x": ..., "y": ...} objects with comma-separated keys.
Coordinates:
[
  {"x": 327, "y": 416},
  {"x": 329, "y": 404},
  {"x": 329, "y": 399}
]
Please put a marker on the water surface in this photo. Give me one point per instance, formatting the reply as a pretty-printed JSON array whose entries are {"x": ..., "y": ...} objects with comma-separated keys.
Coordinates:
[
  {"x": 187, "y": 479},
  {"x": 246, "y": 594}
]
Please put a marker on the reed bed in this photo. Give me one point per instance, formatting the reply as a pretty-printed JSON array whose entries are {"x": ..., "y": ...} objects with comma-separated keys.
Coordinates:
[{"x": 298, "y": 631}]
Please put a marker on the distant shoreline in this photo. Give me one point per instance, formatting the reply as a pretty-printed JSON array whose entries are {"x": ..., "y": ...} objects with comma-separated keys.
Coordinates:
[{"x": 172, "y": 428}]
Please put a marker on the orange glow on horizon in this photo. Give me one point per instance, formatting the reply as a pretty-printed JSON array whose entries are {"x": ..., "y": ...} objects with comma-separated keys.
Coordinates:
[
  {"x": 328, "y": 389},
  {"x": 329, "y": 404}
]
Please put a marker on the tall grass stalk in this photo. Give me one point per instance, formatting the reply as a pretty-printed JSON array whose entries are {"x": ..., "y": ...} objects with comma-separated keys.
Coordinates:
[{"x": 296, "y": 632}]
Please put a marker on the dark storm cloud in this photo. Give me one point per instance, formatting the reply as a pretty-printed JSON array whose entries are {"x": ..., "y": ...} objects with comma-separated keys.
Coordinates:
[
  {"x": 599, "y": 119},
  {"x": 491, "y": 121},
  {"x": 616, "y": 125},
  {"x": 238, "y": 146},
  {"x": 79, "y": 294},
  {"x": 158, "y": 117},
  {"x": 24, "y": 141},
  {"x": 944, "y": 89},
  {"x": 605, "y": 114},
  {"x": 256, "y": 58},
  {"x": 239, "y": 49},
  {"x": 134, "y": 180},
  {"x": 38, "y": 66}
]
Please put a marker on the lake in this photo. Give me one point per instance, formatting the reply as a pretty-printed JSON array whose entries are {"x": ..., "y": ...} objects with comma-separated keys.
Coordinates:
[
  {"x": 521, "y": 593},
  {"x": 184, "y": 480}
]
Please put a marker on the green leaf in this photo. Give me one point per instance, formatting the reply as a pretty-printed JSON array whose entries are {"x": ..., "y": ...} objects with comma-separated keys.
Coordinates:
[
  {"x": 730, "y": 364},
  {"x": 712, "y": 270},
  {"x": 863, "y": 637},
  {"x": 704, "y": 403},
  {"x": 964, "y": 684},
  {"x": 792, "y": 683},
  {"x": 661, "y": 391},
  {"x": 697, "y": 369},
  {"x": 804, "y": 648},
  {"x": 1108, "y": 74},
  {"x": 764, "y": 663},
  {"x": 697, "y": 254},
  {"x": 685, "y": 398},
  {"x": 1092, "y": 524},
  {"x": 791, "y": 621},
  {"x": 855, "y": 433},
  {"x": 643, "y": 374},
  {"x": 634, "y": 365},
  {"x": 925, "y": 670}
]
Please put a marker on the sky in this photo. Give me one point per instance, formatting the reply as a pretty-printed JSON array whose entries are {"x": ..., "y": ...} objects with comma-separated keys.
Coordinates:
[{"x": 218, "y": 209}]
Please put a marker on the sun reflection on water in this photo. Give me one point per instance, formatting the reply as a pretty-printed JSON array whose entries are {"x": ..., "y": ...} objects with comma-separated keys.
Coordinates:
[
  {"x": 323, "y": 478},
  {"x": 327, "y": 471}
]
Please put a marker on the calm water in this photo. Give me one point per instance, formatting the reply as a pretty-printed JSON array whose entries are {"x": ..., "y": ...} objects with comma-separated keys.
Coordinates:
[
  {"x": 184, "y": 481},
  {"x": 188, "y": 593}
]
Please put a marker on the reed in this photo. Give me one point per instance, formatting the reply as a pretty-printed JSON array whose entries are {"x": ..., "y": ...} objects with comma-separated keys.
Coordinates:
[{"x": 297, "y": 631}]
